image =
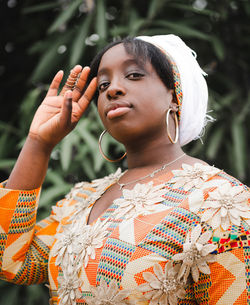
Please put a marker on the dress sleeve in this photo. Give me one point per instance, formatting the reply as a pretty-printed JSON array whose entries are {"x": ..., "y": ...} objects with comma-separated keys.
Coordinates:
[{"x": 24, "y": 244}]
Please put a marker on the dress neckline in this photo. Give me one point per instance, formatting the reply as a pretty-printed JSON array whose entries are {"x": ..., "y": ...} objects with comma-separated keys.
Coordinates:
[{"x": 163, "y": 178}]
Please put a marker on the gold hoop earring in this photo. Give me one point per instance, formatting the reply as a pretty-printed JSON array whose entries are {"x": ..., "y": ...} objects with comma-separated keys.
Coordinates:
[
  {"x": 176, "y": 127},
  {"x": 102, "y": 153}
]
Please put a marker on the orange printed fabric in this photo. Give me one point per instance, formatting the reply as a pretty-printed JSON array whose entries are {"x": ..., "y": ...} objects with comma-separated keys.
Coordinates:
[
  {"x": 182, "y": 238},
  {"x": 24, "y": 245}
]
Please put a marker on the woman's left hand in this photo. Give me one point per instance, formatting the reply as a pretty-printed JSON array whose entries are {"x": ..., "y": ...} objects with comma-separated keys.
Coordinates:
[{"x": 58, "y": 114}]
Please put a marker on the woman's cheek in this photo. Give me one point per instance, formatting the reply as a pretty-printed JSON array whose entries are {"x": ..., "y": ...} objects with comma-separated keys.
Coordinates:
[{"x": 100, "y": 109}]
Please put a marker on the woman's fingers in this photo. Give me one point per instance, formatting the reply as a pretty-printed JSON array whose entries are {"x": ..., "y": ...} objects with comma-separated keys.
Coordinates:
[
  {"x": 88, "y": 95},
  {"x": 66, "y": 110},
  {"x": 54, "y": 86},
  {"x": 77, "y": 92},
  {"x": 71, "y": 81}
]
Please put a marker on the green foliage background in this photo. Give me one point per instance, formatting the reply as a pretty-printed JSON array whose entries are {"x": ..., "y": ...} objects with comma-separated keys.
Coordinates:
[{"x": 41, "y": 37}]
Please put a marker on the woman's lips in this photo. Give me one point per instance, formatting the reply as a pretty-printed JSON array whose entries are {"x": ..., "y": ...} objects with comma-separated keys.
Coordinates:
[{"x": 117, "y": 109}]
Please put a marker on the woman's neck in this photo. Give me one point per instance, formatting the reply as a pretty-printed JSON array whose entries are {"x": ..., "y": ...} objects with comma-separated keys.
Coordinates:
[{"x": 152, "y": 154}]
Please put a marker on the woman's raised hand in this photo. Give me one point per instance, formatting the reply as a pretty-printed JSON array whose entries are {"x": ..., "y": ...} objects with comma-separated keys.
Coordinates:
[{"x": 58, "y": 114}]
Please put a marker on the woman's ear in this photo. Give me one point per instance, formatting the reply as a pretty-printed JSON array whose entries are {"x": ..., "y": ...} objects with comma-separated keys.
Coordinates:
[{"x": 174, "y": 104}]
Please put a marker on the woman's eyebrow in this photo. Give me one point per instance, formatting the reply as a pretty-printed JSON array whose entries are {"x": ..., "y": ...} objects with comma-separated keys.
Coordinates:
[{"x": 125, "y": 63}]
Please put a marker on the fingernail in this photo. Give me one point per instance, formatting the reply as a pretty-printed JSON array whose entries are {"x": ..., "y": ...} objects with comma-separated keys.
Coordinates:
[{"x": 68, "y": 94}]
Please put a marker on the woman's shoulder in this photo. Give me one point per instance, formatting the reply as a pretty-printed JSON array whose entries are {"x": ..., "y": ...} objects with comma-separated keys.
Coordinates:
[
  {"x": 224, "y": 207},
  {"x": 215, "y": 199},
  {"x": 223, "y": 175},
  {"x": 200, "y": 175}
]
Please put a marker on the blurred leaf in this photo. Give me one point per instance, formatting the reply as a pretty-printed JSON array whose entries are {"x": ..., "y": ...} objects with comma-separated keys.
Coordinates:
[
  {"x": 54, "y": 177},
  {"x": 136, "y": 26},
  {"x": 154, "y": 7},
  {"x": 40, "y": 7},
  {"x": 36, "y": 294},
  {"x": 215, "y": 142},
  {"x": 67, "y": 150},
  {"x": 41, "y": 46},
  {"x": 135, "y": 22},
  {"x": 218, "y": 47},
  {"x": 182, "y": 29},
  {"x": 79, "y": 44},
  {"x": 88, "y": 168},
  {"x": 7, "y": 163},
  {"x": 27, "y": 109},
  {"x": 50, "y": 59},
  {"x": 101, "y": 22},
  {"x": 223, "y": 102},
  {"x": 10, "y": 296},
  {"x": 53, "y": 193},
  {"x": 89, "y": 139},
  {"x": 3, "y": 141},
  {"x": 118, "y": 31},
  {"x": 190, "y": 8},
  {"x": 239, "y": 148},
  {"x": 65, "y": 15},
  {"x": 98, "y": 161},
  {"x": 29, "y": 102},
  {"x": 245, "y": 111},
  {"x": 7, "y": 127},
  {"x": 111, "y": 167}
]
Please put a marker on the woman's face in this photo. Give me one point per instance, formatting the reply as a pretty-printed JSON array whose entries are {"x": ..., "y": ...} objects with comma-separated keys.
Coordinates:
[{"x": 132, "y": 100}]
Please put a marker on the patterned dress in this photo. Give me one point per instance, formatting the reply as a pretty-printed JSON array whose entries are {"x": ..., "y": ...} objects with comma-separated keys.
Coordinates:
[{"x": 182, "y": 238}]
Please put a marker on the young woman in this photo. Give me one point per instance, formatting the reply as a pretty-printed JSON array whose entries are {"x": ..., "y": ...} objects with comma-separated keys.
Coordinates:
[{"x": 169, "y": 230}]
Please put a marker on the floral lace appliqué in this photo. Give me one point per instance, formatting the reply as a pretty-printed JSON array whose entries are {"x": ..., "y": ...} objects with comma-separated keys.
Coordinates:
[
  {"x": 196, "y": 254},
  {"x": 192, "y": 176},
  {"x": 77, "y": 243},
  {"x": 108, "y": 294},
  {"x": 103, "y": 183},
  {"x": 60, "y": 212},
  {"x": 163, "y": 288},
  {"x": 140, "y": 200},
  {"x": 77, "y": 187},
  {"x": 81, "y": 206},
  {"x": 226, "y": 205},
  {"x": 69, "y": 290}
]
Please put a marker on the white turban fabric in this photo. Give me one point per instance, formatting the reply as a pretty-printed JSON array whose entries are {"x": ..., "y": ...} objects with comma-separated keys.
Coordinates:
[{"x": 193, "y": 84}]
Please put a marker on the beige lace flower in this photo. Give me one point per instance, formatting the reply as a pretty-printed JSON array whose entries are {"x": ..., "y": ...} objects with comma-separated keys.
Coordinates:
[
  {"x": 192, "y": 176},
  {"x": 140, "y": 200},
  {"x": 226, "y": 205},
  {"x": 108, "y": 294},
  {"x": 196, "y": 254},
  {"x": 68, "y": 290},
  {"x": 65, "y": 246},
  {"x": 103, "y": 183},
  {"x": 163, "y": 288},
  {"x": 91, "y": 238},
  {"x": 81, "y": 206},
  {"x": 75, "y": 189},
  {"x": 77, "y": 243},
  {"x": 60, "y": 212}
]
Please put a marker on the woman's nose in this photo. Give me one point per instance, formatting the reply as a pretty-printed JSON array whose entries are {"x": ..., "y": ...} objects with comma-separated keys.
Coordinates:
[{"x": 115, "y": 90}]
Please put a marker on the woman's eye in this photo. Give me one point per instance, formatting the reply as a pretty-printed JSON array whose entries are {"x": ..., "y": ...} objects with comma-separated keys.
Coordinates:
[
  {"x": 103, "y": 86},
  {"x": 135, "y": 75}
]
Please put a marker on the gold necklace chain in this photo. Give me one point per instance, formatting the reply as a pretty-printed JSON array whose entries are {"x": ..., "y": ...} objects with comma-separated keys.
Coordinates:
[{"x": 151, "y": 175}]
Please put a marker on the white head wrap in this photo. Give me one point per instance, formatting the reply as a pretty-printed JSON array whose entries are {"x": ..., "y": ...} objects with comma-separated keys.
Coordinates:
[{"x": 194, "y": 87}]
